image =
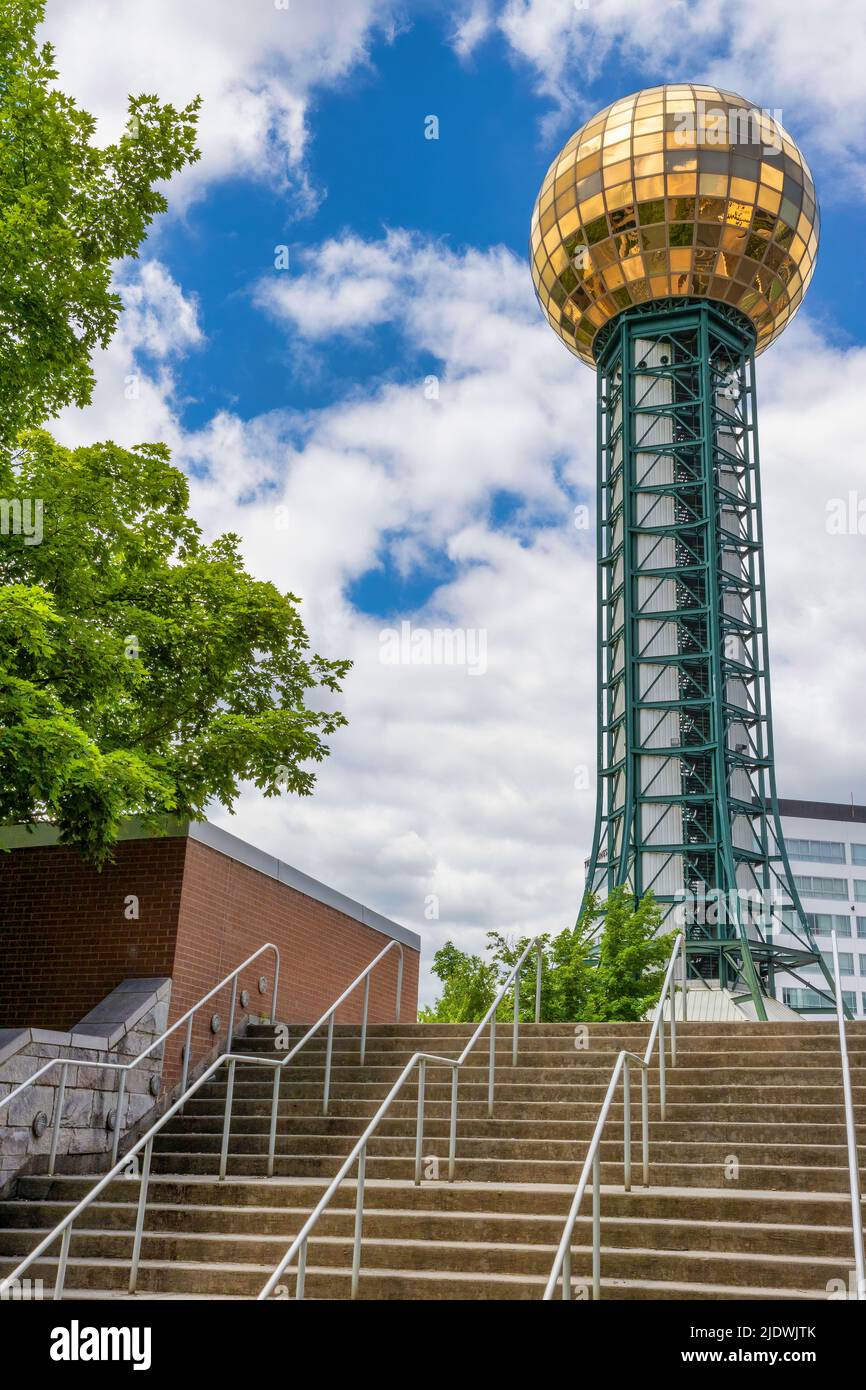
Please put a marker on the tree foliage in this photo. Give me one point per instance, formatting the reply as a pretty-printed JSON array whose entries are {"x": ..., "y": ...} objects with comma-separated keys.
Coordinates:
[
  {"x": 608, "y": 967},
  {"x": 142, "y": 671},
  {"x": 68, "y": 209},
  {"x": 470, "y": 985}
]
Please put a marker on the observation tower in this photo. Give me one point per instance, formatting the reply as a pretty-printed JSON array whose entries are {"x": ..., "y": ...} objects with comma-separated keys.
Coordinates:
[{"x": 673, "y": 239}]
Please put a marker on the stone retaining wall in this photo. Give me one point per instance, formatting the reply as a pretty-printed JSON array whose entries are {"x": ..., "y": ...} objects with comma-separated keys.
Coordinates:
[{"x": 120, "y": 1029}]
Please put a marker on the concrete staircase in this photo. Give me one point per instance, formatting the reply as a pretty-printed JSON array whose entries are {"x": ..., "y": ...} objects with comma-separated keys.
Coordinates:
[{"x": 749, "y": 1195}]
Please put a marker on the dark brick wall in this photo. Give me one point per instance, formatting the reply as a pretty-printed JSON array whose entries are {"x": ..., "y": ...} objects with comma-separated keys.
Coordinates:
[{"x": 65, "y": 942}]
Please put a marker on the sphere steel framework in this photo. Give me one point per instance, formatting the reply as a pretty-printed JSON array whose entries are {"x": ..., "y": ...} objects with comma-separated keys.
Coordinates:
[
  {"x": 653, "y": 197},
  {"x": 673, "y": 238}
]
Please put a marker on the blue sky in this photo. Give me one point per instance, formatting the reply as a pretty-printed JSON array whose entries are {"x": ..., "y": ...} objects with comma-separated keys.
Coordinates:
[
  {"x": 371, "y": 169},
  {"x": 300, "y": 403}
]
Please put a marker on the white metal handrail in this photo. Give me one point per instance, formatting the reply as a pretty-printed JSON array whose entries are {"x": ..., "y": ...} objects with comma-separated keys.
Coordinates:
[
  {"x": 123, "y": 1068},
  {"x": 851, "y": 1134},
  {"x": 128, "y": 1164},
  {"x": 327, "y": 1017},
  {"x": 421, "y": 1060},
  {"x": 561, "y": 1268}
]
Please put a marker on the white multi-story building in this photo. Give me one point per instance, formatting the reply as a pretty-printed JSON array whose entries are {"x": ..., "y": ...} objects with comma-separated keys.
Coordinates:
[{"x": 826, "y": 843}]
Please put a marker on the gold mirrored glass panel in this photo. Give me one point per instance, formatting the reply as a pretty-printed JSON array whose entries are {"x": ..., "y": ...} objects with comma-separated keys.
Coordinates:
[{"x": 685, "y": 190}]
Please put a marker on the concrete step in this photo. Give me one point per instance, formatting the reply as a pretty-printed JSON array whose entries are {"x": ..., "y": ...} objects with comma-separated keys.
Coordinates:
[
  {"x": 533, "y": 1112},
  {"x": 505, "y": 1147},
  {"x": 588, "y": 1069},
  {"x": 508, "y": 1091},
  {"x": 258, "y": 1122},
  {"x": 562, "y": 1051},
  {"x": 421, "y": 1251},
  {"x": 462, "y": 1032},
  {"x": 811, "y": 1178},
  {"x": 23, "y": 1224},
  {"x": 734, "y": 1203},
  {"x": 408, "y": 1282}
]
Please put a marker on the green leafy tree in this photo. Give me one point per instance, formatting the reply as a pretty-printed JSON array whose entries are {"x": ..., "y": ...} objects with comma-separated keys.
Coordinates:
[
  {"x": 68, "y": 210},
  {"x": 141, "y": 670},
  {"x": 566, "y": 974},
  {"x": 470, "y": 985},
  {"x": 608, "y": 967},
  {"x": 632, "y": 956}
]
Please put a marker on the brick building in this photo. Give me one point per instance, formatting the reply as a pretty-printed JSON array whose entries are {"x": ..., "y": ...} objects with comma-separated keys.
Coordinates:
[{"x": 191, "y": 905}]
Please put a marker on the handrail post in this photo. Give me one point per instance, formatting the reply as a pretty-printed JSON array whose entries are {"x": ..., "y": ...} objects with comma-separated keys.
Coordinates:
[
  {"x": 62, "y": 1262},
  {"x": 329, "y": 1049},
  {"x": 492, "y": 1068},
  {"x": 539, "y": 955},
  {"x": 302, "y": 1271},
  {"x": 276, "y": 984},
  {"x": 399, "y": 983},
  {"x": 566, "y": 1272},
  {"x": 452, "y": 1132},
  {"x": 419, "y": 1121},
  {"x": 187, "y": 1055},
  {"x": 227, "y": 1120},
  {"x": 853, "y": 1163},
  {"x": 58, "y": 1116},
  {"x": 275, "y": 1107},
  {"x": 596, "y": 1225},
  {"x": 662, "y": 1062},
  {"x": 672, "y": 995},
  {"x": 118, "y": 1116},
  {"x": 232, "y": 1008},
  {"x": 626, "y": 1125},
  {"x": 139, "y": 1217},
  {"x": 644, "y": 1098},
  {"x": 685, "y": 979},
  {"x": 516, "y": 1018},
  {"x": 359, "y": 1221},
  {"x": 364, "y": 1018}
]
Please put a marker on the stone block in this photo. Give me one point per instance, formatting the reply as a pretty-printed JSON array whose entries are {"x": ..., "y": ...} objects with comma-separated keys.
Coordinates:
[
  {"x": 89, "y": 1141},
  {"x": 138, "y": 1080},
  {"x": 22, "y": 1110},
  {"x": 77, "y": 1109},
  {"x": 139, "y": 1105},
  {"x": 21, "y": 1068},
  {"x": 96, "y": 1078}
]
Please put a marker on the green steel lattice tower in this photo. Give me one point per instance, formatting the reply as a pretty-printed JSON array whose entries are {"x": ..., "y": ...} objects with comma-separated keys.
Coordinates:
[{"x": 673, "y": 238}]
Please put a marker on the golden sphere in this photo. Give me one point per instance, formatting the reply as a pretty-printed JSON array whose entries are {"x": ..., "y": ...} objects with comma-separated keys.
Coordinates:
[{"x": 678, "y": 190}]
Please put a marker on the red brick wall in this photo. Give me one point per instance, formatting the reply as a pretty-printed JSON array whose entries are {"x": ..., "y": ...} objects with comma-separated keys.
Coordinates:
[
  {"x": 64, "y": 940},
  {"x": 229, "y": 909},
  {"x": 65, "y": 943}
]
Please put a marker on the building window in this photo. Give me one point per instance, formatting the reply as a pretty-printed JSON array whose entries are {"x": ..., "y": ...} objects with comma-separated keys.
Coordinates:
[
  {"x": 862, "y": 970},
  {"x": 811, "y": 999},
  {"x": 821, "y": 923},
  {"x": 824, "y": 851},
  {"x": 858, "y": 854},
  {"x": 846, "y": 962},
  {"x": 861, "y": 926},
  {"x": 860, "y": 889},
  {"x": 814, "y": 887}
]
